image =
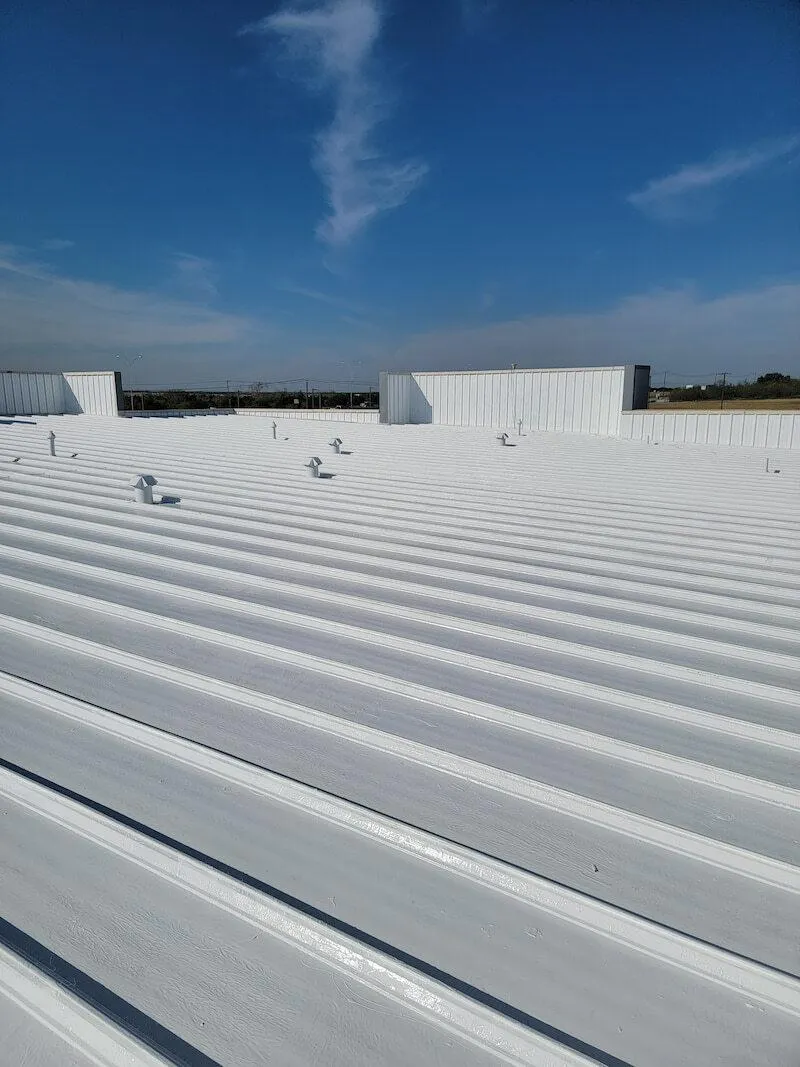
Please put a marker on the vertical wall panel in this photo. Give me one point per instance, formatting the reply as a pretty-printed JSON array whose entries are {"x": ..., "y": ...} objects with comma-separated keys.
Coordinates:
[
  {"x": 571, "y": 400},
  {"x": 785, "y": 433},
  {"x": 360, "y": 415},
  {"x": 23, "y": 393},
  {"x": 33, "y": 393},
  {"x": 396, "y": 398},
  {"x": 91, "y": 392},
  {"x": 728, "y": 429},
  {"x": 583, "y": 401}
]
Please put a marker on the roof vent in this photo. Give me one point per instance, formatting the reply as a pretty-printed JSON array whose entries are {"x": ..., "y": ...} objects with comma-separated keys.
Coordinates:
[
  {"x": 142, "y": 485},
  {"x": 274, "y": 430},
  {"x": 52, "y": 438},
  {"x": 314, "y": 465},
  {"x": 336, "y": 445},
  {"x": 502, "y": 438}
]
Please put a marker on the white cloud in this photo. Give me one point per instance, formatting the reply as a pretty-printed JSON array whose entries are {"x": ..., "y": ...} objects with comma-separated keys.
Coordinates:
[
  {"x": 47, "y": 316},
  {"x": 51, "y": 321},
  {"x": 739, "y": 332},
  {"x": 320, "y": 297},
  {"x": 57, "y": 244},
  {"x": 332, "y": 46},
  {"x": 194, "y": 275},
  {"x": 669, "y": 197}
]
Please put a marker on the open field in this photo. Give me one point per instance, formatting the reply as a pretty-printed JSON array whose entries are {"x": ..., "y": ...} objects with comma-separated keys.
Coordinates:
[
  {"x": 464, "y": 755},
  {"x": 787, "y": 404}
]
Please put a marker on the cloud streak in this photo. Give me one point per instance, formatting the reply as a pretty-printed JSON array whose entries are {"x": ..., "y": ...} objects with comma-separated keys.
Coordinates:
[
  {"x": 52, "y": 321},
  {"x": 331, "y": 46},
  {"x": 322, "y": 298},
  {"x": 741, "y": 331},
  {"x": 668, "y": 197},
  {"x": 46, "y": 314},
  {"x": 194, "y": 275}
]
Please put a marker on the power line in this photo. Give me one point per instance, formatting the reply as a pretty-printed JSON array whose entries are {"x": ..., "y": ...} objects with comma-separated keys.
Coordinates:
[
  {"x": 658, "y": 377},
  {"x": 223, "y": 385}
]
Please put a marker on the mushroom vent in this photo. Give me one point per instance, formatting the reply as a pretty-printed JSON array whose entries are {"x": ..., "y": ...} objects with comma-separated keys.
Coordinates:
[{"x": 142, "y": 485}]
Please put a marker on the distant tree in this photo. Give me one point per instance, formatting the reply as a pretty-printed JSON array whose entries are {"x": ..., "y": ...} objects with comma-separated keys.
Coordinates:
[{"x": 774, "y": 376}]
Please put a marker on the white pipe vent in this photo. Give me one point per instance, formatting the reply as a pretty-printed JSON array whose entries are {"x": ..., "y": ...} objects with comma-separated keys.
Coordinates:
[
  {"x": 336, "y": 445},
  {"x": 314, "y": 465}
]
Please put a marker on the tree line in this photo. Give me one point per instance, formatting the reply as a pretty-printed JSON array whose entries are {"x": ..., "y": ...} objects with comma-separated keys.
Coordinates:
[
  {"x": 772, "y": 386},
  {"x": 187, "y": 399}
]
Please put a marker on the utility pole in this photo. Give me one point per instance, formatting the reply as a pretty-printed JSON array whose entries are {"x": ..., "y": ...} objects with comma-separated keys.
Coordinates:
[
  {"x": 722, "y": 394},
  {"x": 306, "y": 392}
]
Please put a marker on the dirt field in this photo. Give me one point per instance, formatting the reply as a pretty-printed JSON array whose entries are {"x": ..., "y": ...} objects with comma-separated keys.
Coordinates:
[{"x": 788, "y": 404}]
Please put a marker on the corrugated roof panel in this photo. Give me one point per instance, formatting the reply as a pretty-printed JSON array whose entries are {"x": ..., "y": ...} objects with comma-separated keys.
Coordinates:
[{"x": 465, "y": 754}]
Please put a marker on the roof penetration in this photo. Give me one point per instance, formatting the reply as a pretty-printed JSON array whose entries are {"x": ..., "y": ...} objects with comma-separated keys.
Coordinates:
[{"x": 454, "y": 754}]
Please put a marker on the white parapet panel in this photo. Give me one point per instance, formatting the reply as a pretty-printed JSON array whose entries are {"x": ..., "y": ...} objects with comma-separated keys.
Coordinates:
[
  {"x": 395, "y": 398},
  {"x": 582, "y": 400},
  {"x": 363, "y": 415},
  {"x": 28, "y": 393},
  {"x": 726, "y": 429},
  {"x": 93, "y": 392},
  {"x": 57, "y": 393},
  {"x": 174, "y": 413}
]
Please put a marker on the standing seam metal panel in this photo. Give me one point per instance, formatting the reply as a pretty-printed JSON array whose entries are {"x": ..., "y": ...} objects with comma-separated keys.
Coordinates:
[
  {"x": 41, "y": 393},
  {"x": 23, "y": 393},
  {"x": 397, "y": 409},
  {"x": 730, "y": 429},
  {"x": 368, "y": 415},
  {"x": 583, "y": 401},
  {"x": 91, "y": 392}
]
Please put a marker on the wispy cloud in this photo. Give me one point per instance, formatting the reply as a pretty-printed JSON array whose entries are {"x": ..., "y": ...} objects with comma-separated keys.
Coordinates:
[
  {"x": 669, "y": 197},
  {"x": 332, "y": 48},
  {"x": 193, "y": 274},
  {"x": 671, "y": 327},
  {"x": 46, "y": 313},
  {"x": 57, "y": 244},
  {"x": 359, "y": 323},
  {"x": 320, "y": 297},
  {"x": 51, "y": 321}
]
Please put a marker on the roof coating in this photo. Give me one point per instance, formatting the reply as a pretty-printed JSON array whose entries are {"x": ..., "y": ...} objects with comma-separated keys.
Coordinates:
[{"x": 461, "y": 753}]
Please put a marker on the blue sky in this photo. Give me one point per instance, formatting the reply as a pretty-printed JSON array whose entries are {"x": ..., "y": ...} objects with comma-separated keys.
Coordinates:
[{"x": 261, "y": 191}]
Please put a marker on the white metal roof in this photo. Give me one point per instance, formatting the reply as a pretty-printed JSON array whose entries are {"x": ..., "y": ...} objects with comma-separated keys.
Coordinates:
[{"x": 468, "y": 754}]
